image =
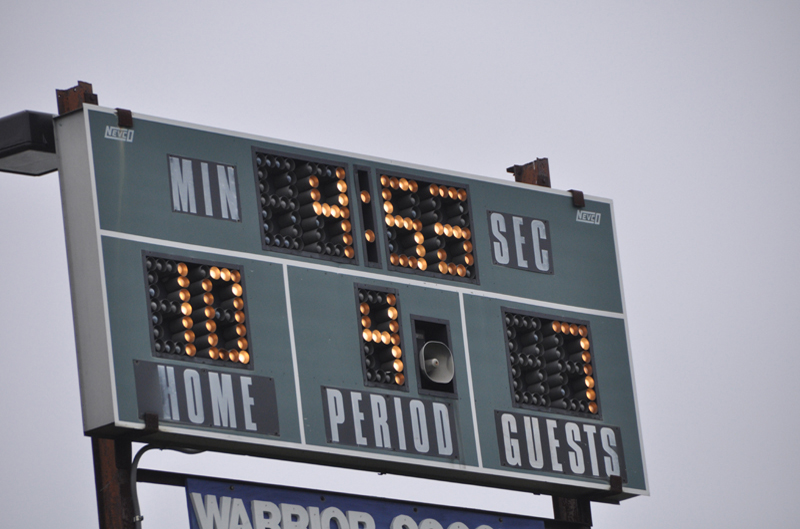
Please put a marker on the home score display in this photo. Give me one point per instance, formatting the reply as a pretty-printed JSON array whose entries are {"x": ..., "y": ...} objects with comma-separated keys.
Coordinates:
[{"x": 274, "y": 299}]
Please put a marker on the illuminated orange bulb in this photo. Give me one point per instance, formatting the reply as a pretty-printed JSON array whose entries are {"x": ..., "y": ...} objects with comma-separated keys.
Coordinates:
[
  {"x": 326, "y": 210},
  {"x": 408, "y": 223},
  {"x": 186, "y": 309},
  {"x": 391, "y": 300},
  {"x": 398, "y": 221},
  {"x": 210, "y": 313},
  {"x": 225, "y": 274},
  {"x": 386, "y": 338},
  {"x": 448, "y": 230},
  {"x": 244, "y": 357},
  {"x": 236, "y": 276},
  {"x": 442, "y": 267},
  {"x": 214, "y": 272},
  {"x": 340, "y": 173},
  {"x": 443, "y": 192},
  {"x": 583, "y": 331},
  {"x": 457, "y": 232},
  {"x": 585, "y": 344},
  {"x": 412, "y": 262},
  {"x": 417, "y": 225},
  {"x": 462, "y": 194},
  {"x": 451, "y": 269},
  {"x": 461, "y": 270},
  {"x": 364, "y": 308},
  {"x": 556, "y": 326},
  {"x": 238, "y": 316},
  {"x": 565, "y": 328},
  {"x": 369, "y": 235},
  {"x": 350, "y": 252},
  {"x": 413, "y": 186},
  {"x": 403, "y": 184},
  {"x": 366, "y": 322},
  {"x": 422, "y": 264},
  {"x": 190, "y": 350},
  {"x": 384, "y": 180},
  {"x": 343, "y": 200},
  {"x": 403, "y": 259},
  {"x": 452, "y": 193},
  {"x": 376, "y": 336},
  {"x": 182, "y": 269},
  {"x": 433, "y": 189},
  {"x": 344, "y": 212},
  {"x": 395, "y": 339},
  {"x": 394, "y": 183},
  {"x": 335, "y": 211},
  {"x": 573, "y": 329},
  {"x": 386, "y": 194},
  {"x": 466, "y": 234},
  {"x": 366, "y": 335},
  {"x": 213, "y": 353},
  {"x": 388, "y": 207},
  {"x": 591, "y": 395},
  {"x": 399, "y": 379},
  {"x": 394, "y": 259},
  {"x": 389, "y": 220}
]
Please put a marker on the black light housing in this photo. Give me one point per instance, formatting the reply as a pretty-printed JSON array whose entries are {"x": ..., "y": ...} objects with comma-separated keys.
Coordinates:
[{"x": 27, "y": 143}]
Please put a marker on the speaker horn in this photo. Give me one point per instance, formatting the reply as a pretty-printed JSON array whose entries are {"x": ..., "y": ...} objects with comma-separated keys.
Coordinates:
[{"x": 436, "y": 361}]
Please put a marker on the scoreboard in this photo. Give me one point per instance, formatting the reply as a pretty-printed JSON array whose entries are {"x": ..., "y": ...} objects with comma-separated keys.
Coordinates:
[{"x": 274, "y": 299}]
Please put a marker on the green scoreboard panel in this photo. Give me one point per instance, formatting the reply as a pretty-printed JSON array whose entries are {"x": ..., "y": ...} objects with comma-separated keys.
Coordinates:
[{"x": 274, "y": 299}]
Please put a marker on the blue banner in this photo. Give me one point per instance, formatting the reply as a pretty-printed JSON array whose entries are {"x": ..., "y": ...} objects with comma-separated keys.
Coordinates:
[{"x": 231, "y": 505}]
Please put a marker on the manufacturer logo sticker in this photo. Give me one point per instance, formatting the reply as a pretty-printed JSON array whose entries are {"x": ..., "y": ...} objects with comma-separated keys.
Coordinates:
[
  {"x": 119, "y": 134},
  {"x": 589, "y": 217}
]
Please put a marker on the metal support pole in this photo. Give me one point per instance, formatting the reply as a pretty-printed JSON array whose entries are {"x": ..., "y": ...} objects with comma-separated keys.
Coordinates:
[
  {"x": 575, "y": 510},
  {"x": 112, "y": 477}
]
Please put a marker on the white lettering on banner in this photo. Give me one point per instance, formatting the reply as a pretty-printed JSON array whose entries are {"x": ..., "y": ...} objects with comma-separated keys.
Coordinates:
[
  {"x": 380, "y": 421},
  {"x": 194, "y": 396},
  {"x": 222, "y": 401},
  {"x": 500, "y": 246},
  {"x": 576, "y": 456},
  {"x": 227, "y": 192},
  {"x": 590, "y": 431},
  {"x": 572, "y": 447},
  {"x": 529, "y": 238},
  {"x": 358, "y": 417},
  {"x": 363, "y": 419},
  {"x": 554, "y": 444},
  {"x": 540, "y": 256},
  {"x": 248, "y": 403},
  {"x": 609, "y": 443},
  {"x": 169, "y": 393},
  {"x": 511, "y": 444},
  {"x": 182, "y": 179},
  {"x": 229, "y": 512},
  {"x": 266, "y": 515},
  {"x": 534, "y": 437},
  {"x": 335, "y": 412}
]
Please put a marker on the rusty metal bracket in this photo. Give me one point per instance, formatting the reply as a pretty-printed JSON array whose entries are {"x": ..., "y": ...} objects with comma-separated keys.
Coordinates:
[
  {"x": 73, "y": 98},
  {"x": 124, "y": 118},
  {"x": 577, "y": 198},
  {"x": 536, "y": 172},
  {"x": 150, "y": 423}
]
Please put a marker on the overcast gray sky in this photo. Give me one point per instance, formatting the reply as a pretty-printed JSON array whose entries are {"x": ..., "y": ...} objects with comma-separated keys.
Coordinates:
[{"x": 686, "y": 114}]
